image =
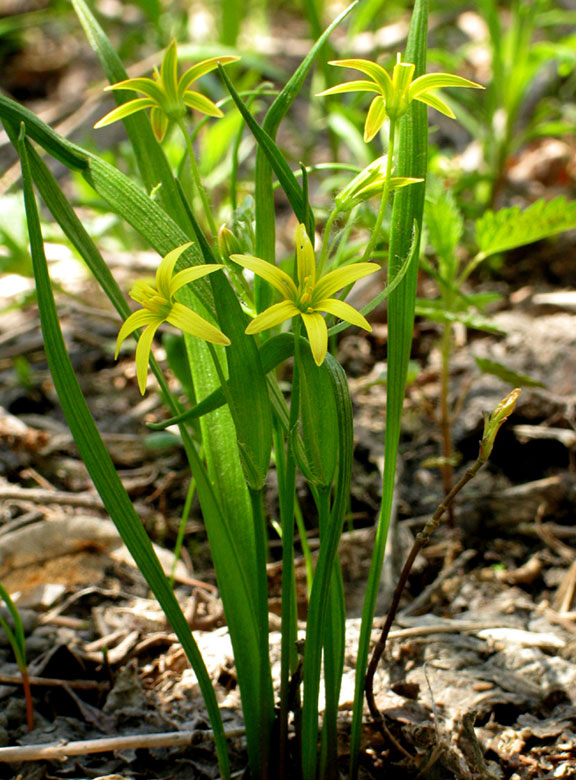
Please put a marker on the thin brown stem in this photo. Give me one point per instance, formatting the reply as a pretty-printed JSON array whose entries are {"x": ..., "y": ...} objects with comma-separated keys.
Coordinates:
[
  {"x": 446, "y": 419},
  {"x": 28, "y": 699},
  {"x": 421, "y": 540}
]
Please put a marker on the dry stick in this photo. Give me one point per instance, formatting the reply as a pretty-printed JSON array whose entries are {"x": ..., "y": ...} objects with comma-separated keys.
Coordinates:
[
  {"x": 48, "y": 682},
  {"x": 491, "y": 428},
  {"x": 60, "y": 751},
  {"x": 421, "y": 540}
]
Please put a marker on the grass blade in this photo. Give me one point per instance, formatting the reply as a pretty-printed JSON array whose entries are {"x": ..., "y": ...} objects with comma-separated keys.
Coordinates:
[
  {"x": 264, "y": 196},
  {"x": 152, "y": 163},
  {"x": 408, "y": 208},
  {"x": 99, "y": 463}
]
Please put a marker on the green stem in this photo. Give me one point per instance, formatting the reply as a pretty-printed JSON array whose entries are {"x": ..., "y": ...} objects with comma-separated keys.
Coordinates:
[
  {"x": 325, "y": 240},
  {"x": 329, "y": 757},
  {"x": 288, "y": 618},
  {"x": 182, "y": 527},
  {"x": 385, "y": 193},
  {"x": 198, "y": 186},
  {"x": 305, "y": 548}
]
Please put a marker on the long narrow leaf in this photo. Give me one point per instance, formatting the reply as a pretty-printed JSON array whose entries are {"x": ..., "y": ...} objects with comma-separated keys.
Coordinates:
[
  {"x": 264, "y": 196},
  {"x": 408, "y": 208},
  {"x": 323, "y": 576},
  {"x": 152, "y": 162},
  {"x": 99, "y": 464},
  {"x": 287, "y": 180}
]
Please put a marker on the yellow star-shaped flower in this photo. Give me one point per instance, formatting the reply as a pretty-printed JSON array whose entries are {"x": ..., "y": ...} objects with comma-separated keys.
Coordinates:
[
  {"x": 394, "y": 94},
  {"x": 309, "y": 296},
  {"x": 167, "y": 96},
  {"x": 159, "y": 306}
]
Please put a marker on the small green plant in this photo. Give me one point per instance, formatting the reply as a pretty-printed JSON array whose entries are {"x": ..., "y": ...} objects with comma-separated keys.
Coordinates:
[
  {"x": 17, "y": 639},
  {"x": 235, "y": 335},
  {"x": 494, "y": 233}
]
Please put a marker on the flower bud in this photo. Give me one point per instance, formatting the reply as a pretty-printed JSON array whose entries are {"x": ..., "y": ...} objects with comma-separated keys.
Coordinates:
[{"x": 228, "y": 242}]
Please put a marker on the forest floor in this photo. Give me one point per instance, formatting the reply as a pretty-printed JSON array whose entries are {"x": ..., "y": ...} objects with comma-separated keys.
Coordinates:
[
  {"x": 479, "y": 677},
  {"x": 487, "y": 631}
]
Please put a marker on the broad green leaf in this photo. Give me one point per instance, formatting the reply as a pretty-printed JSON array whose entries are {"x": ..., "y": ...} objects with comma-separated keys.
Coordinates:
[
  {"x": 237, "y": 443},
  {"x": 69, "y": 154},
  {"x": 507, "y": 374},
  {"x": 499, "y": 231},
  {"x": 246, "y": 387},
  {"x": 99, "y": 464}
]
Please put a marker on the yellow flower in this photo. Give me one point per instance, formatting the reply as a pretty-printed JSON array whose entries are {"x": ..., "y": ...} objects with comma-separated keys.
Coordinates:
[
  {"x": 395, "y": 94},
  {"x": 309, "y": 296},
  {"x": 160, "y": 306},
  {"x": 167, "y": 96}
]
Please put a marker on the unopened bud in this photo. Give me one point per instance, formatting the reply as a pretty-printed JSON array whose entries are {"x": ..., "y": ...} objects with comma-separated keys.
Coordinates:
[
  {"x": 493, "y": 423},
  {"x": 368, "y": 184},
  {"x": 228, "y": 242}
]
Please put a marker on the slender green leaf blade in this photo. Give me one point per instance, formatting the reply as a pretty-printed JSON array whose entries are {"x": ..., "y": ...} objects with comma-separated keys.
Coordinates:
[
  {"x": 506, "y": 374},
  {"x": 408, "y": 208},
  {"x": 281, "y": 168},
  {"x": 100, "y": 466},
  {"x": 152, "y": 162}
]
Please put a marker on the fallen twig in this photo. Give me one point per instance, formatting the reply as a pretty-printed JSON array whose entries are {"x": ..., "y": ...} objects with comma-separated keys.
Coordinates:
[{"x": 60, "y": 751}]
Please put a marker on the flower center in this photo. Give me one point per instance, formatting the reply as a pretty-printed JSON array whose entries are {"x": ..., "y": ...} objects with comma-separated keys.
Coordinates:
[
  {"x": 149, "y": 297},
  {"x": 305, "y": 297}
]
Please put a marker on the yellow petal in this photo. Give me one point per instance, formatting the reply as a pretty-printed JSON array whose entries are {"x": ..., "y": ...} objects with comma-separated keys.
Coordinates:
[
  {"x": 191, "y": 274},
  {"x": 273, "y": 275},
  {"x": 169, "y": 72},
  {"x": 146, "y": 86},
  {"x": 165, "y": 270},
  {"x": 317, "y": 336},
  {"x": 401, "y": 77},
  {"x": 305, "y": 260},
  {"x": 351, "y": 86},
  {"x": 273, "y": 315},
  {"x": 188, "y": 321},
  {"x": 143, "y": 355},
  {"x": 159, "y": 122},
  {"x": 375, "y": 118},
  {"x": 126, "y": 109},
  {"x": 341, "y": 277},
  {"x": 437, "y": 80},
  {"x": 200, "y": 69},
  {"x": 201, "y": 103},
  {"x": 136, "y": 320},
  {"x": 371, "y": 69},
  {"x": 343, "y": 311},
  {"x": 435, "y": 102}
]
